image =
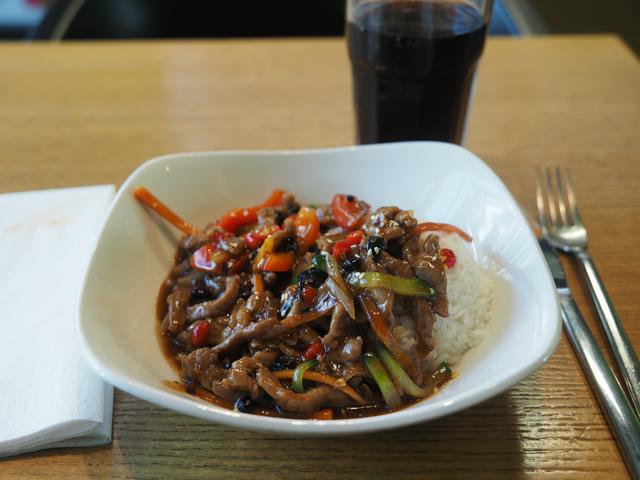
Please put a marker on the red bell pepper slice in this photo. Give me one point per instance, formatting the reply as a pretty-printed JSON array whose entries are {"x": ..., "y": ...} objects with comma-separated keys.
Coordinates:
[
  {"x": 307, "y": 227},
  {"x": 343, "y": 247},
  {"x": 240, "y": 217},
  {"x": 348, "y": 211},
  {"x": 257, "y": 236},
  {"x": 277, "y": 262},
  {"x": 271, "y": 261}
]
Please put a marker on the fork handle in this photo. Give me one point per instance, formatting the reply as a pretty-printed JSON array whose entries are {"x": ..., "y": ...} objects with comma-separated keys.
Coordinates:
[
  {"x": 615, "y": 405},
  {"x": 623, "y": 351}
]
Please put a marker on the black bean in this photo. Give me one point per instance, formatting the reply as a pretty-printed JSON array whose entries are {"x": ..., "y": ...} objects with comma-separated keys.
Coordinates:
[
  {"x": 312, "y": 277},
  {"x": 352, "y": 263},
  {"x": 284, "y": 363},
  {"x": 314, "y": 249},
  {"x": 265, "y": 401},
  {"x": 287, "y": 244},
  {"x": 292, "y": 208},
  {"x": 199, "y": 295},
  {"x": 351, "y": 198},
  {"x": 245, "y": 404},
  {"x": 374, "y": 246}
]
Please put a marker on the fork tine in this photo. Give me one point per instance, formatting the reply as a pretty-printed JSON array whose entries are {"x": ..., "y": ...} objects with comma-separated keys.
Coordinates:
[
  {"x": 560, "y": 197},
  {"x": 571, "y": 197},
  {"x": 542, "y": 217},
  {"x": 551, "y": 202}
]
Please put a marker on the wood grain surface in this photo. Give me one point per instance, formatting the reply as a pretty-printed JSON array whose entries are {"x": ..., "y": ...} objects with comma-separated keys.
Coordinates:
[{"x": 87, "y": 113}]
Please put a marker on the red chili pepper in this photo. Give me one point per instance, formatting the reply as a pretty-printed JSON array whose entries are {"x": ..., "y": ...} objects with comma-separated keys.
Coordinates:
[
  {"x": 309, "y": 294},
  {"x": 314, "y": 350},
  {"x": 348, "y": 211},
  {"x": 448, "y": 257},
  {"x": 200, "y": 334},
  {"x": 256, "y": 237},
  {"x": 240, "y": 217},
  {"x": 307, "y": 227},
  {"x": 343, "y": 247}
]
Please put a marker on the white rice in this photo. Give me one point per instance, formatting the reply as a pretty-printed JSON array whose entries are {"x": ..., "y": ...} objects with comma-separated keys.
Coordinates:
[{"x": 470, "y": 292}]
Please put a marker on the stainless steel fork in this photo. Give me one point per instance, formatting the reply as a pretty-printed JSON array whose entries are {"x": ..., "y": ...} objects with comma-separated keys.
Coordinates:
[{"x": 562, "y": 225}]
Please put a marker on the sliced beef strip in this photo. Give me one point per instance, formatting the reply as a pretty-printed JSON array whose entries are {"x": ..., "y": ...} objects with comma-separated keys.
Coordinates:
[
  {"x": 389, "y": 223},
  {"x": 350, "y": 370},
  {"x": 240, "y": 377},
  {"x": 181, "y": 268},
  {"x": 423, "y": 255},
  {"x": 202, "y": 365},
  {"x": 423, "y": 317},
  {"x": 339, "y": 327},
  {"x": 307, "y": 335},
  {"x": 348, "y": 350},
  {"x": 267, "y": 217},
  {"x": 264, "y": 330},
  {"x": 176, "y": 317},
  {"x": 418, "y": 308},
  {"x": 220, "y": 305},
  {"x": 395, "y": 266},
  {"x": 190, "y": 243},
  {"x": 308, "y": 402},
  {"x": 191, "y": 279},
  {"x": 233, "y": 245}
]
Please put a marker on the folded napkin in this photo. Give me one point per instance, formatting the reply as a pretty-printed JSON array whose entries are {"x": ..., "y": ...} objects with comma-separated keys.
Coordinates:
[{"x": 49, "y": 397}]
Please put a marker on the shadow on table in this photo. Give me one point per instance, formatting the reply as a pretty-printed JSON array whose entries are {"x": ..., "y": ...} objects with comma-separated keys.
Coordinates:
[{"x": 481, "y": 442}]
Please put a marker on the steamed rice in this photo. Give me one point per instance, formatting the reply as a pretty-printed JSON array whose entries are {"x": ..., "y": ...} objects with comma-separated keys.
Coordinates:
[{"x": 469, "y": 291}]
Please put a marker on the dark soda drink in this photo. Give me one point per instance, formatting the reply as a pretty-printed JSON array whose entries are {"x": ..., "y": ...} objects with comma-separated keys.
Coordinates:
[{"x": 413, "y": 65}]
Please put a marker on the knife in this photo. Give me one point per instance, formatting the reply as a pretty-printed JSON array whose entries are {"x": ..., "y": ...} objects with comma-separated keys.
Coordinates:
[{"x": 621, "y": 417}]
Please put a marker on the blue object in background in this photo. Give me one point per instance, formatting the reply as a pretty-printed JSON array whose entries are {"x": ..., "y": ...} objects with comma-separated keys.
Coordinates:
[{"x": 501, "y": 21}]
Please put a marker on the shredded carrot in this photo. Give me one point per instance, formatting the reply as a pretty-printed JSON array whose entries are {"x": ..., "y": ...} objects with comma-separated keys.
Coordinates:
[
  {"x": 258, "y": 282},
  {"x": 441, "y": 227},
  {"x": 324, "y": 414},
  {"x": 337, "y": 383},
  {"x": 293, "y": 321},
  {"x": 150, "y": 200},
  {"x": 378, "y": 322}
]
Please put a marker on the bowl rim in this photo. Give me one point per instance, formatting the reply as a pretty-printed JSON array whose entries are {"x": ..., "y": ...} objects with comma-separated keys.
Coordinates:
[{"x": 192, "y": 406}]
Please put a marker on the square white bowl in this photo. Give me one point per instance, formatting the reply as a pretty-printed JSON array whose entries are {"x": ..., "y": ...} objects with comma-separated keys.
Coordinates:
[{"x": 440, "y": 182}]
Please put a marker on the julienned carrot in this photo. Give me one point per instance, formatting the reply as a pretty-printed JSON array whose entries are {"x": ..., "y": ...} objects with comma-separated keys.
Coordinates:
[
  {"x": 324, "y": 414},
  {"x": 258, "y": 282},
  {"x": 441, "y": 227},
  {"x": 150, "y": 200},
  {"x": 337, "y": 383}
]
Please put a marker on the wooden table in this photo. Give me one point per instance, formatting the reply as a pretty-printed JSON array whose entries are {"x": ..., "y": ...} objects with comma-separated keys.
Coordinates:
[{"x": 87, "y": 113}]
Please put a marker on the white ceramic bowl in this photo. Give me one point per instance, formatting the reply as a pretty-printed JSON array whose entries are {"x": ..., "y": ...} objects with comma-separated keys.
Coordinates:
[{"x": 440, "y": 182}]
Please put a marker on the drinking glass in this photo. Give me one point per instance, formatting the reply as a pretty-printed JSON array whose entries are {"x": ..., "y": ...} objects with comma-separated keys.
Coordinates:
[{"x": 413, "y": 64}]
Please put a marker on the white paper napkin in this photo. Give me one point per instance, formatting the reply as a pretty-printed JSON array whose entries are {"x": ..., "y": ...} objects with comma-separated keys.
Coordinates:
[{"x": 49, "y": 397}]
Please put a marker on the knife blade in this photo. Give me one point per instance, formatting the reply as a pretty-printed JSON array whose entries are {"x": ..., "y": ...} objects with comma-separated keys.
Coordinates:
[{"x": 617, "y": 409}]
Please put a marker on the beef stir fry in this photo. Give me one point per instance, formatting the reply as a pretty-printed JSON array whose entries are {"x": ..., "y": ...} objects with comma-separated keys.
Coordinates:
[{"x": 303, "y": 311}]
